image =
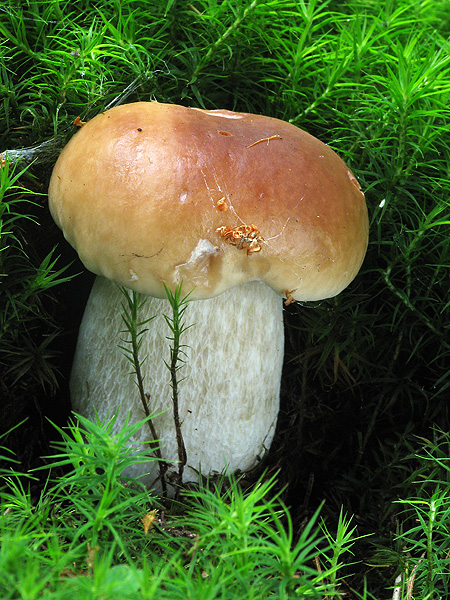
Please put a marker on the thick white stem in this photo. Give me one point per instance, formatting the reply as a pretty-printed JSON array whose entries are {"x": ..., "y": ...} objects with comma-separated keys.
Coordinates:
[{"x": 230, "y": 384}]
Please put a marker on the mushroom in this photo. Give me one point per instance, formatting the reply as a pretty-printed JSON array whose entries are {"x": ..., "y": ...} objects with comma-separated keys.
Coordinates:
[{"x": 243, "y": 210}]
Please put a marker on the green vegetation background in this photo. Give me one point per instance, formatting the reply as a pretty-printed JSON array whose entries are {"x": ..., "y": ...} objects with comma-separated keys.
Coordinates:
[{"x": 365, "y": 373}]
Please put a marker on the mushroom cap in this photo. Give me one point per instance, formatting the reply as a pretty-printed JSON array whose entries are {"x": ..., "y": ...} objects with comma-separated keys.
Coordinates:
[{"x": 152, "y": 194}]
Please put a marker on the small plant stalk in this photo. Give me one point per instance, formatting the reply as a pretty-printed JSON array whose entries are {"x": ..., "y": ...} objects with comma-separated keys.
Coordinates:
[
  {"x": 174, "y": 352},
  {"x": 177, "y": 327},
  {"x": 130, "y": 318}
]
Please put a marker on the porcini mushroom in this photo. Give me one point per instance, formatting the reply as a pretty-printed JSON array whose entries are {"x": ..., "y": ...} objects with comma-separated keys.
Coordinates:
[{"x": 244, "y": 210}]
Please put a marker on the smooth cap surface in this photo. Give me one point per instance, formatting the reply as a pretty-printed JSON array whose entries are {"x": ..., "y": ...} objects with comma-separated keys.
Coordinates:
[{"x": 151, "y": 193}]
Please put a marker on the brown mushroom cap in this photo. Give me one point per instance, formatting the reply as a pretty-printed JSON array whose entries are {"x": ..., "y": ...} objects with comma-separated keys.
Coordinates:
[{"x": 151, "y": 193}]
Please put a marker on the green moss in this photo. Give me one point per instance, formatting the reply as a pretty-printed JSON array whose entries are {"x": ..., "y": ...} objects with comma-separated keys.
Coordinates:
[{"x": 365, "y": 371}]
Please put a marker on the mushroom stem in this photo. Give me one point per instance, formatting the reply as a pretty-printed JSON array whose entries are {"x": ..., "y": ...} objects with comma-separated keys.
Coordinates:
[{"x": 228, "y": 396}]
